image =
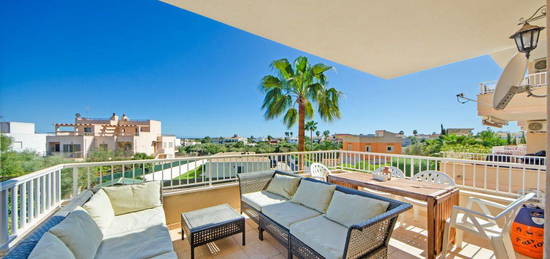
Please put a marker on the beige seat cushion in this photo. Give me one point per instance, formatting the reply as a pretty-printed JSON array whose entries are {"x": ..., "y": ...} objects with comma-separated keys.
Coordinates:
[
  {"x": 49, "y": 246},
  {"x": 80, "y": 233},
  {"x": 288, "y": 212},
  {"x": 100, "y": 209},
  {"x": 258, "y": 200},
  {"x": 135, "y": 197},
  {"x": 283, "y": 185},
  {"x": 314, "y": 195},
  {"x": 326, "y": 237},
  {"x": 150, "y": 242},
  {"x": 136, "y": 221},
  {"x": 349, "y": 209}
]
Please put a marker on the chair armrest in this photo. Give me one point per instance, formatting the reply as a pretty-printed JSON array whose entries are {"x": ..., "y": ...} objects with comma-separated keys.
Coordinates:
[
  {"x": 254, "y": 182},
  {"x": 473, "y": 213},
  {"x": 488, "y": 203}
]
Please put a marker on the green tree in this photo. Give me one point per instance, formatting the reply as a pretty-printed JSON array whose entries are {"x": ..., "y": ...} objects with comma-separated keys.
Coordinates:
[
  {"x": 311, "y": 126},
  {"x": 206, "y": 139},
  {"x": 5, "y": 143},
  {"x": 415, "y": 132},
  {"x": 294, "y": 89},
  {"x": 508, "y": 138},
  {"x": 326, "y": 133},
  {"x": 522, "y": 140},
  {"x": 443, "y": 131},
  {"x": 318, "y": 134}
]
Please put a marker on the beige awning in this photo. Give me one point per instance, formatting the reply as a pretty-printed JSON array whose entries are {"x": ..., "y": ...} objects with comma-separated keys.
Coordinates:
[{"x": 381, "y": 37}]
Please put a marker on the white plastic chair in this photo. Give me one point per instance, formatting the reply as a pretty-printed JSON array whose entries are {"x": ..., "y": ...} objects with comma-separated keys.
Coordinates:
[
  {"x": 319, "y": 171},
  {"x": 429, "y": 176},
  {"x": 484, "y": 224},
  {"x": 395, "y": 172}
]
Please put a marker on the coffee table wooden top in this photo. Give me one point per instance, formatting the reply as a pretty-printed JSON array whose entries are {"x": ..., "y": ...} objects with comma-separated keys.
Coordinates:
[{"x": 398, "y": 186}]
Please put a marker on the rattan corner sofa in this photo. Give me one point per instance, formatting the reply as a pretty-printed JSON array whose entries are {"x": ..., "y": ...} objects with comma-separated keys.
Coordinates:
[
  {"x": 314, "y": 219},
  {"x": 122, "y": 222}
]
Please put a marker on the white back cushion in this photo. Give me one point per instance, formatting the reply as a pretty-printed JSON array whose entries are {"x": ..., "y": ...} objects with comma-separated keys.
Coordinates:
[
  {"x": 314, "y": 195},
  {"x": 49, "y": 246},
  {"x": 100, "y": 209},
  {"x": 283, "y": 185},
  {"x": 80, "y": 233},
  {"x": 349, "y": 209},
  {"x": 135, "y": 197}
]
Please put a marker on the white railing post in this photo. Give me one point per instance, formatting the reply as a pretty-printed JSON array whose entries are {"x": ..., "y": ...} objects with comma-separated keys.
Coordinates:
[
  {"x": 75, "y": 181},
  {"x": 4, "y": 227}
]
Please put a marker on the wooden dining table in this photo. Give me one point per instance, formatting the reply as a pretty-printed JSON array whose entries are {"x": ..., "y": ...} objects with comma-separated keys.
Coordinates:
[{"x": 440, "y": 199}]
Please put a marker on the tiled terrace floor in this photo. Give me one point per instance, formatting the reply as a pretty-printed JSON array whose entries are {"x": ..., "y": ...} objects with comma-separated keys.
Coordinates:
[{"x": 408, "y": 241}]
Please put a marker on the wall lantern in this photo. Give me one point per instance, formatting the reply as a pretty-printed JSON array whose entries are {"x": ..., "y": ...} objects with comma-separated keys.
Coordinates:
[{"x": 527, "y": 37}]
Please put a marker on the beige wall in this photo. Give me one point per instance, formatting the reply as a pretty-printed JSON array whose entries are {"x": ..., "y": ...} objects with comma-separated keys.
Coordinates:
[
  {"x": 535, "y": 142},
  {"x": 174, "y": 205}
]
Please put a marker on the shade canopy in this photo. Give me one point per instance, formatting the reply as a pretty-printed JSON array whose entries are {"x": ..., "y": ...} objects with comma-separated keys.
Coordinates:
[{"x": 380, "y": 37}]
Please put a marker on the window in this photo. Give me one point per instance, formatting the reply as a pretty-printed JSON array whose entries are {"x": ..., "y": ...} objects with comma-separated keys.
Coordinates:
[
  {"x": 170, "y": 145},
  {"x": 368, "y": 148},
  {"x": 55, "y": 147},
  {"x": 103, "y": 147},
  {"x": 88, "y": 130},
  {"x": 389, "y": 148},
  {"x": 145, "y": 129},
  {"x": 350, "y": 146},
  {"x": 69, "y": 148}
]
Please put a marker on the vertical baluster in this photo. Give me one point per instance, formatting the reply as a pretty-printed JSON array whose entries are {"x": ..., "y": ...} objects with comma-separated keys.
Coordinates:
[
  {"x": 43, "y": 194},
  {"x": 523, "y": 179},
  {"x": 510, "y": 178},
  {"x": 50, "y": 190},
  {"x": 14, "y": 210},
  {"x": 23, "y": 215},
  {"x": 31, "y": 200},
  {"x": 4, "y": 222}
]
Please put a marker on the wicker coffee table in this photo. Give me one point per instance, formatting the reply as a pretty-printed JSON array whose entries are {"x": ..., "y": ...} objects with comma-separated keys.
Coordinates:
[{"x": 210, "y": 224}]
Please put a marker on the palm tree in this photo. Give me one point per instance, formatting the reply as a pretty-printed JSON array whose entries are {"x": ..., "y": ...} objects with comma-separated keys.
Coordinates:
[
  {"x": 293, "y": 91},
  {"x": 318, "y": 134},
  {"x": 326, "y": 133},
  {"x": 311, "y": 126},
  {"x": 287, "y": 134}
]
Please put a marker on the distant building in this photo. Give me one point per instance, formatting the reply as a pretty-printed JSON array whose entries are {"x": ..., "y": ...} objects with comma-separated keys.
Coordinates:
[
  {"x": 459, "y": 131},
  {"x": 223, "y": 168},
  {"x": 381, "y": 142},
  {"x": 24, "y": 137},
  {"x": 86, "y": 135},
  {"x": 234, "y": 139},
  {"x": 189, "y": 142}
]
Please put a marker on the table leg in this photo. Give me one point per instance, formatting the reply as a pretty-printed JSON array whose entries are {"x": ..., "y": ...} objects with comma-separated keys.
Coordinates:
[
  {"x": 431, "y": 228},
  {"x": 438, "y": 213},
  {"x": 244, "y": 230}
]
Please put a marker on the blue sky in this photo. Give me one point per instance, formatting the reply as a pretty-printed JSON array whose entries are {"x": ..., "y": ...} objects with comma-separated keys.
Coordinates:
[{"x": 199, "y": 77}]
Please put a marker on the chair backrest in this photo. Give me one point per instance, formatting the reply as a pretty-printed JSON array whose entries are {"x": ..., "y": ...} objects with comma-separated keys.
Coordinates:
[
  {"x": 510, "y": 212},
  {"x": 395, "y": 172},
  {"x": 432, "y": 176},
  {"x": 319, "y": 170}
]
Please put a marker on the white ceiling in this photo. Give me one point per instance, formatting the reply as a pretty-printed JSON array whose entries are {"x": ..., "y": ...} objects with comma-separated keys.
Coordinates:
[{"x": 381, "y": 37}]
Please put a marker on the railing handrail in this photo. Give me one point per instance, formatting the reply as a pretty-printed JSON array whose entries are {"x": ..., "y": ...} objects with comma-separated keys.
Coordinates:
[{"x": 489, "y": 86}]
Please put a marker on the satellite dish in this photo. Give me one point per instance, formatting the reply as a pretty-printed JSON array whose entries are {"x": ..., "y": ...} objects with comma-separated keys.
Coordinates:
[{"x": 509, "y": 82}]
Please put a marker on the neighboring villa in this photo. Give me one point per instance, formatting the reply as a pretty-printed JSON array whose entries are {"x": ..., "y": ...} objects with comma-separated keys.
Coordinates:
[
  {"x": 528, "y": 112},
  {"x": 24, "y": 137},
  {"x": 381, "y": 142},
  {"x": 86, "y": 135}
]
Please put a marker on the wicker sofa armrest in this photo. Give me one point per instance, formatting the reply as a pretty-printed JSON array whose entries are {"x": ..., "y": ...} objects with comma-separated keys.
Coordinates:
[
  {"x": 366, "y": 237},
  {"x": 254, "y": 182}
]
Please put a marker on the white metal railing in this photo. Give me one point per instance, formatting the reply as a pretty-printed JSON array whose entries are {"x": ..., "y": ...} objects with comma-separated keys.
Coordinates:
[
  {"x": 531, "y": 160},
  {"x": 534, "y": 80},
  {"x": 28, "y": 199}
]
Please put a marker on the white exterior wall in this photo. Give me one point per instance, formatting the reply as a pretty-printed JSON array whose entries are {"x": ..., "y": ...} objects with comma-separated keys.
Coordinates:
[
  {"x": 222, "y": 170},
  {"x": 24, "y": 137}
]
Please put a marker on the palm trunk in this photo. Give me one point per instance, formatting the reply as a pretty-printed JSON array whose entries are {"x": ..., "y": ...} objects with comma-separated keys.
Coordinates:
[{"x": 301, "y": 122}]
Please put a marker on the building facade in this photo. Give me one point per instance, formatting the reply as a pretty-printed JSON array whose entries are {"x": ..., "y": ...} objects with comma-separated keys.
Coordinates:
[
  {"x": 380, "y": 142},
  {"x": 85, "y": 135},
  {"x": 24, "y": 137}
]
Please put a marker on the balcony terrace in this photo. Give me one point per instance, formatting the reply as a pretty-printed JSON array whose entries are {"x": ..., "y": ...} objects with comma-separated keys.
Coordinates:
[{"x": 191, "y": 183}]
